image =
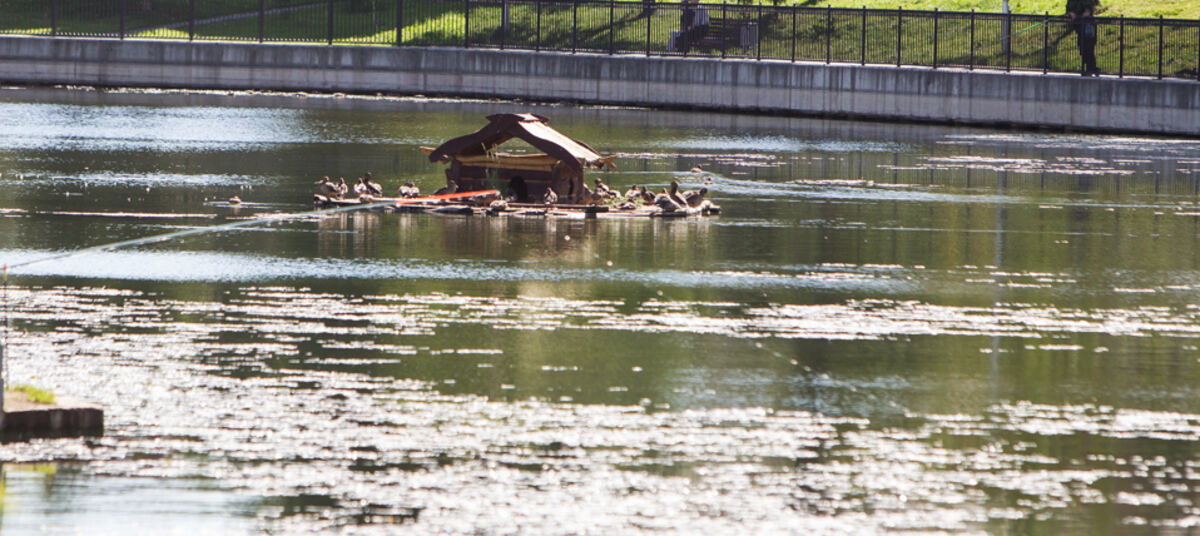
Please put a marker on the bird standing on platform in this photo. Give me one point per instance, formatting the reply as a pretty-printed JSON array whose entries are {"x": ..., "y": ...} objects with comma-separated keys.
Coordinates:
[
  {"x": 693, "y": 198},
  {"x": 330, "y": 188},
  {"x": 408, "y": 191},
  {"x": 632, "y": 193},
  {"x": 603, "y": 189},
  {"x": 366, "y": 187},
  {"x": 550, "y": 197},
  {"x": 449, "y": 188},
  {"x": 675, "y": 194}
]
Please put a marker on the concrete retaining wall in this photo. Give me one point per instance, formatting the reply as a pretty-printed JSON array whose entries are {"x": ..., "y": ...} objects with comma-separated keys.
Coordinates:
[{"x": 876, "y": 92}]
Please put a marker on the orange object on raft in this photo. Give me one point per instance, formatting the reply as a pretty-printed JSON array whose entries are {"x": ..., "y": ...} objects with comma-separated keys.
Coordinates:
[{"x": 443, "y": 197}]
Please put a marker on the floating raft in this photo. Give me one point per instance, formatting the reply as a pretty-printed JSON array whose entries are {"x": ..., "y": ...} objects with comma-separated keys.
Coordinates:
[{"x": 410, "y": 206}]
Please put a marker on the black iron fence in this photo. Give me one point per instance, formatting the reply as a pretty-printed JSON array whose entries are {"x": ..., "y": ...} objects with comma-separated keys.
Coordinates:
[{"x": 935, "y": 39}]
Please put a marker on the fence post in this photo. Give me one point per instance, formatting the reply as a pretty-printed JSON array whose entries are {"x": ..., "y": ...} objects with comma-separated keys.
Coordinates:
[
  {"x": 971, "y": 64},
  {"x": 503, "y": 23},
  {"x": 1007, "y": 43},
  {"x": 899, "y": 26},
  {"x": 537, "y": 37},
  {"x": 726, "y": 18},
  {"x": 329, "y": 23},
  {"x": 1160, "y": 46},
  {"x": 828, "y": 33},
  {"x": 758, "y": 45},
  {"x": 399, "y": 22},
  {"x": 612, "y": 7},
  {"x": 574, "y": 25},
  {"x": 794, "y": 9},
  {"x": 864, "y": 35},
  {"x": 121, "y": 7},
  {"x": 936, "y": 18},
  {"x": 262, "y": 15},
  {"x": 648, "y": 17},
  {"x": 1121, "y": 48},
  {"x": 191, "y": 20},
  {"x": 1197, "y": 55},
  {"x": 466, "y": 23},
  {"x": 1046, "y": 42},
  {"x": 53, "y": 18}
]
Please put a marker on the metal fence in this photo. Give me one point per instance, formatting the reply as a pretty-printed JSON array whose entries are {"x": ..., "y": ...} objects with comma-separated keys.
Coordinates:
[{"x": 935, "y": 39}]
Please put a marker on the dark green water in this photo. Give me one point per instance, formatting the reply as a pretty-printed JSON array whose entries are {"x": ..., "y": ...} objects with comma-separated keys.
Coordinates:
[{"x": 891, "y": 328}]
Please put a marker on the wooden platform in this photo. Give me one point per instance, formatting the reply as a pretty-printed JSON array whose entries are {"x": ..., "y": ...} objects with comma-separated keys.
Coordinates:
[
  {"x": 516, "y": 209},
  {"x": 66, "y": 417}
]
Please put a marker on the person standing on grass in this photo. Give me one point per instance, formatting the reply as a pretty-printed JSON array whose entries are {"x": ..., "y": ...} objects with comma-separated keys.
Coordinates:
[{"x": 1084, "y": 25}]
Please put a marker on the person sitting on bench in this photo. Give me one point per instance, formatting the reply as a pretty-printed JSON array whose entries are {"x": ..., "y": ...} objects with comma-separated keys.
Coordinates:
[{"x": 693, "y": 24}]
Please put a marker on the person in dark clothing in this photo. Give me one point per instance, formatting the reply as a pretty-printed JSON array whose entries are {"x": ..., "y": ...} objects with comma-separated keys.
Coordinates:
[
  {"x": 1084, "y": 25},
  {"x": 693, "y": 24}
]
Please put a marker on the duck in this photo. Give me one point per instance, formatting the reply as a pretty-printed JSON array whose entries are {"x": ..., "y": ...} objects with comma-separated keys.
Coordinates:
[
  {"x": 497, "y": 207},
  {"x": 328, "y": 187},
  {"x": 408, "y": 190},
  {"x": 632, "y": 193},
  {"x": 693, "y": 198},
  {"x": 593, "y": 197},
  {"x": 449, "y": 188},
  {"x": 342, "y": 187},
  {"x": 674, "y": 193},
  {"x": 603, "y": 189},
  {"x": 235, "y": 200},
  {"x": 550, "y": 197},
  {"x": 647, "y": 196},
  {"x": 366, "y": 187},
  {"x": 666, "y": 203}
]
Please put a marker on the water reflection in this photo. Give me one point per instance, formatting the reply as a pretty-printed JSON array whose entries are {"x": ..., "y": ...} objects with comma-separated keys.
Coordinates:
[{"x": 890, "y": 328}]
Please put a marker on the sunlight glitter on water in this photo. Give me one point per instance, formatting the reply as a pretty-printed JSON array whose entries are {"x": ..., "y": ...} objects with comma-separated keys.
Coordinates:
[
  {"x": 890, "y": 328},
  {"x": 398, "y": 444}
]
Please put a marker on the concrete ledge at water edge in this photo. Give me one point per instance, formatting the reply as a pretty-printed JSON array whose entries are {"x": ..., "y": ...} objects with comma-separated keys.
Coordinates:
[{"x": 65, "y": 417}]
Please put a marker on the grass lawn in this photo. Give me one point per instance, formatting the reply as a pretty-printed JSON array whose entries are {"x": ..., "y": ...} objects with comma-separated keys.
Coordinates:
[
  {"x": 842, "y": 35},
  {"x": 1179, "y": 9},
  {"x": 34, "y": 394}
]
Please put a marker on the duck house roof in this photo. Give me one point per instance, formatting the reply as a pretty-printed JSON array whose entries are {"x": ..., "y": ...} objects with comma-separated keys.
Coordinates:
[{"x": 530, "y": 128}]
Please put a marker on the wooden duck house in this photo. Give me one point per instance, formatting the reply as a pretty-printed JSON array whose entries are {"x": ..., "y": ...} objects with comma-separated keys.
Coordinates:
[{"x": 475, "y": 163}]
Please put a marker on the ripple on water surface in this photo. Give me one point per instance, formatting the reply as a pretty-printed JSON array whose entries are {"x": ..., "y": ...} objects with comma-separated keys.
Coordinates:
[{"x": 226, "y": 391}]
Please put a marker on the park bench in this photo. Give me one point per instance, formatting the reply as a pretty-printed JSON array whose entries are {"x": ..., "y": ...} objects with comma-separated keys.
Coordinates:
[{"x": 725, "y": 33}]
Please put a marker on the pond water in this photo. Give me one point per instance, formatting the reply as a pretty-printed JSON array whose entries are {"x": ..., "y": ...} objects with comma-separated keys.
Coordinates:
[{"x": 891, "y": 328}]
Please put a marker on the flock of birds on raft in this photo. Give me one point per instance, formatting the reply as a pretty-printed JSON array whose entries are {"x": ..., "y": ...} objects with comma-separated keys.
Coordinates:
[{"x": 668, "y": 200}]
